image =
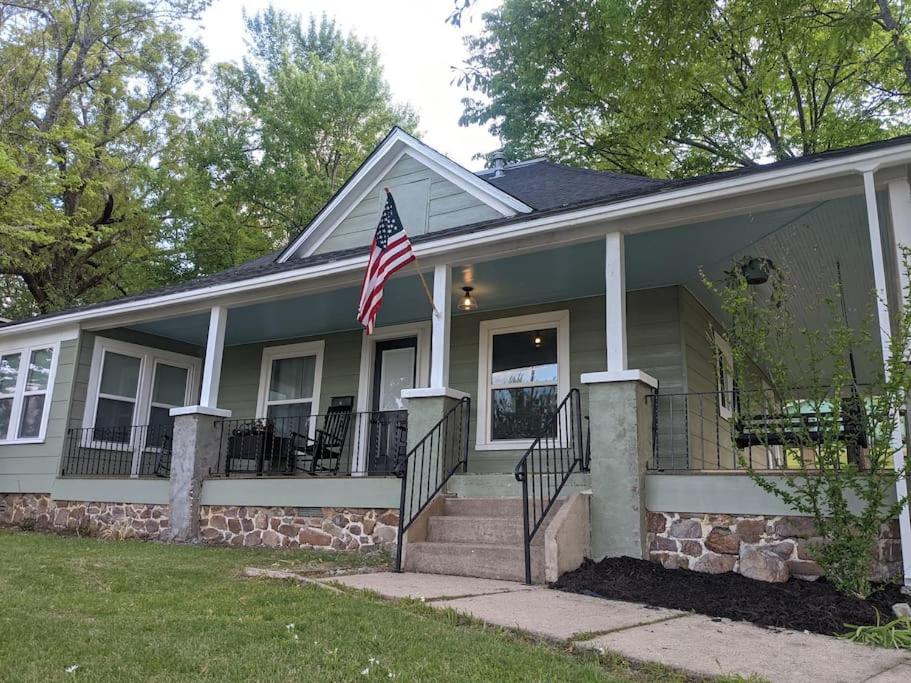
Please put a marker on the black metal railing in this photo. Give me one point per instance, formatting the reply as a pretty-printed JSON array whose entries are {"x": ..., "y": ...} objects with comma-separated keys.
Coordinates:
[
  {"x": 547, "y": 465},
  {"x": 112, "y": 451},
  {"x": 336, "y": 443},
  {"x": 429, "y": 465},
  {"x": 733, "y": 430}
]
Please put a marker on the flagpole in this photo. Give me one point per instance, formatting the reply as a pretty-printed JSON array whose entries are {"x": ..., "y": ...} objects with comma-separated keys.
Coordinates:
[{"x": 417, "y": 267}]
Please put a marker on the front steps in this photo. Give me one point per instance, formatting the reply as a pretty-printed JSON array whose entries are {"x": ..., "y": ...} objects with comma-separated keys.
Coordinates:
[{"x": 480, "y": 537}]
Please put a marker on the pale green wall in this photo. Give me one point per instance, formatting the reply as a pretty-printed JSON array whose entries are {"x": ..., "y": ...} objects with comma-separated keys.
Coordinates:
[
  {"x": 425, "y": 200},
  {"x": 31, "y": 468},
  {"x": 653, "y": 345},
  {"x": 241, "y": 367}
]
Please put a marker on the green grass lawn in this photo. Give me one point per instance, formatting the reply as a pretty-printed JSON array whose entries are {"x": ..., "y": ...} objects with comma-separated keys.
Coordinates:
[{"x": 134, "y": 611}]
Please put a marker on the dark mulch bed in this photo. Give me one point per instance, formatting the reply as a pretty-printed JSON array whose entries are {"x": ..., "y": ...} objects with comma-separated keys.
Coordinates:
[{"x": 800, "y": 605}]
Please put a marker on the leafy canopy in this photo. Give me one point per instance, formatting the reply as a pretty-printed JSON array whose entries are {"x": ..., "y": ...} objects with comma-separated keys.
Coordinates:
[
  {"x": 88, "y": 97},
  {"x": 690, "y": 86},
  {"x": 282, "y": 132}
]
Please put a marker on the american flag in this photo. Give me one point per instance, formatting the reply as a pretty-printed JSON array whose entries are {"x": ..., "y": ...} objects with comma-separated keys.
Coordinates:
[{"x": 390, "y": 251}]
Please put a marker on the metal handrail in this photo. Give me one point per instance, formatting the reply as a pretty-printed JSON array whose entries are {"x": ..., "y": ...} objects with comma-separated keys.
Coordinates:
[
  {"x": 549, "y": 462},
  {"x": 130, "y": 450},
  {"x": 442, "y": 452}
]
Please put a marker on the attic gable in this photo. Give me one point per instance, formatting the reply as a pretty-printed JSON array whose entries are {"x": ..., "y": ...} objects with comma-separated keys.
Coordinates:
[{"x": 431, "y": 192}]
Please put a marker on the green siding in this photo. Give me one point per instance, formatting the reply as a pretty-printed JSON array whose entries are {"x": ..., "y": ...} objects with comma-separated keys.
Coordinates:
[
  {"x": 241, "y": 367},
  {"x": 31, "y": 468},
  {"x": 653, "y": 345},
  {"x": 425, "y": 200}
]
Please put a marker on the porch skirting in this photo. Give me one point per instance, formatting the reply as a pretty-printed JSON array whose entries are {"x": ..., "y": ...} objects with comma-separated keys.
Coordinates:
[
  {"x": 765, "y": 547},
  {"x": 113, "y": 520},
  {"x": 363, "y": 529}
]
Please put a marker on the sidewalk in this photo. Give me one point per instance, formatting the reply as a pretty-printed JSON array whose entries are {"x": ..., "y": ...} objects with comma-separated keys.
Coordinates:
[{"x": 692, "y": 642}]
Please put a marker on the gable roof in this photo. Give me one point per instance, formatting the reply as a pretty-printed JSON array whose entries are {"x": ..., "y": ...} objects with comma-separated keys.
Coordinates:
[
  {"x": 893, "y": 151},
  {"x": 543, "y": 184},
  {"x": 393, "y": 147}
]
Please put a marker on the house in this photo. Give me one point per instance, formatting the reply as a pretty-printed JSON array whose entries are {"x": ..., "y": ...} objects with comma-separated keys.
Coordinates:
[{"x": 562, "y": 398}]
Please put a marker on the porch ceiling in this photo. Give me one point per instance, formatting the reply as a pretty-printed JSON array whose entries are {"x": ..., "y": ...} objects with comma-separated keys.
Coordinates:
[{"x": 806, "y": 241}]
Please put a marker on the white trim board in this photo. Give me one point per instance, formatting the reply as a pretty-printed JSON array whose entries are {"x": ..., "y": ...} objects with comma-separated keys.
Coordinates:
[
  {"x": 396, "y": 145},
  {"x": 574, "y": 225}
]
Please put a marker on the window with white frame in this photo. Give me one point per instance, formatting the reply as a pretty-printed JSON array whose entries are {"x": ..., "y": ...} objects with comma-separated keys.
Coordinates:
[
  {"x": 136, "y": 386},
  {"x": 26, "y": 381},
  {"x": 289, "y": 385},
  {"x": 724, "y": 368},
  {"x": 523, "y": 373}
]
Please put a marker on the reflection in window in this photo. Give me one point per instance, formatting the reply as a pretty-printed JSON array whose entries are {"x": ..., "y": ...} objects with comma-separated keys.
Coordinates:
[
  {"x": 24, "y": 392},
  {"x": 523, "y": 383}
]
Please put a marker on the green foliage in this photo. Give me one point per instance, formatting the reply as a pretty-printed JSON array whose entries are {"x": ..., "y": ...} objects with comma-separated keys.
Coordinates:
[
  {"x": 689, "y": 86},
  {"x": 87, "y": 95},
  {"x": 895, "y": 634},
  {"x": 282, "y": 132},
  {"x": 843, "y": 440},
  {"x": 115, "y": 178}
]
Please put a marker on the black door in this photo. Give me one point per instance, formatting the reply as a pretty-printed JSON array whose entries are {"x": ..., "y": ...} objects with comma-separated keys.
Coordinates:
[{"x": 394, "y": 369}]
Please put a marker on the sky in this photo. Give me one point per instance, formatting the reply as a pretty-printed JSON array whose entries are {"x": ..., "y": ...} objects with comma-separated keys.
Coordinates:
[{"x": 418, "y": 49}]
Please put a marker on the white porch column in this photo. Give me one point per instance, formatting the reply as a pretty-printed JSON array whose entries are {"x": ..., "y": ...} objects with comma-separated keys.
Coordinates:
[
  {"x": 439, "y": 346},
  {"x": 215, "y": 346},
  {"x": 885, "y": 331},
  {"x": 615, "y": 295}
]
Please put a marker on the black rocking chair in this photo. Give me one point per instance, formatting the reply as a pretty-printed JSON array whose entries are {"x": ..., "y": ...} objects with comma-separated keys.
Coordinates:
[{"x": 327, "y": 443}]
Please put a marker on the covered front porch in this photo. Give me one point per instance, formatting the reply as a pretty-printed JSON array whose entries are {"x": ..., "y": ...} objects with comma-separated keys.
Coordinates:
[{"x": 302, "y": 391}]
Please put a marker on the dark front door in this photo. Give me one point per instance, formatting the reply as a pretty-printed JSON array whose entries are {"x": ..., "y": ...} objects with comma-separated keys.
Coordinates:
[{"x": 394, "y": 369}]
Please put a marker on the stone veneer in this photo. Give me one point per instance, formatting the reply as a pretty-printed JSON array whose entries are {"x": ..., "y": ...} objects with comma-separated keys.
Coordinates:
[
  {"x": 763, "y": 547},
  {"x": 363, "y": 529},
  {"x": 123, "y": 520}
]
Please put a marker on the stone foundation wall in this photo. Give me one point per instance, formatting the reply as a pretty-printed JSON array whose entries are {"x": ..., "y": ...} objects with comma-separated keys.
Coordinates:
[
  {"x": 364, "y": 529},
  {"x": 115, "y": 520},
  {"x": 768, "y": 548}
]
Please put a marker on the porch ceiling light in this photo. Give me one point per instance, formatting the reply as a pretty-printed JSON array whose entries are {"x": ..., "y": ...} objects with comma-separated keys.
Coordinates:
[
  {"x": 538, "y": 341},
  {"x": 467, "y": 302}
]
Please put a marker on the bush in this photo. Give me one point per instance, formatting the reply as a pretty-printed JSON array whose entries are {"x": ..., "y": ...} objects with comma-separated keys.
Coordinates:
[{"x": 798, "y": 396}]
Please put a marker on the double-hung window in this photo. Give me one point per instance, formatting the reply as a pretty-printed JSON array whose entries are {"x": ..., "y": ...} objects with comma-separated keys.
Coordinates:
[
  {"x": 523, "y": 374},
  {"x": 724, "y": 359},
  {"x": 26, "y": 380},
  {"x": 132, "y": 389},
  {"x": 289, "y": 386}
]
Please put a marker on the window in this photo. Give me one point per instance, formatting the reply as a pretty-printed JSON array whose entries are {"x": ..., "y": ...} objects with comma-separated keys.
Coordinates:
[
  {"x": 724, "y": 365},
  {"x": 134, "y": 385},
  {"x": 523, "y": 374},
  {"x": 26, "y": 380},
  {"x": 289, "y": 385}
]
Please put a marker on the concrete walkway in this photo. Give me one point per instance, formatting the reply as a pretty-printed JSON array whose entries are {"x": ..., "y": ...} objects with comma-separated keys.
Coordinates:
[{"x": 691, "y": 642}]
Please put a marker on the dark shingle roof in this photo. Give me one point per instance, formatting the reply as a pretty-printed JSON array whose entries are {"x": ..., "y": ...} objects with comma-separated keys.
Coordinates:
[{"x": 542, "y": 184}]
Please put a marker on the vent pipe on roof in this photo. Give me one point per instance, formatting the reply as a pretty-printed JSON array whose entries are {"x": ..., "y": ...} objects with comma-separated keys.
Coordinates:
[{"x": 498, "y": 163}]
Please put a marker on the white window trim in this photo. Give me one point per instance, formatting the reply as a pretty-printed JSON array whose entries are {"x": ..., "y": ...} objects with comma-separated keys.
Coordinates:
[
  {"x": 19, "y": 393},
  {"x": 148, "y": 358},
  {"x": 271, "y": 353},
  {"x": 558, "y": 320},
  {"x": 725, "y": 355}
]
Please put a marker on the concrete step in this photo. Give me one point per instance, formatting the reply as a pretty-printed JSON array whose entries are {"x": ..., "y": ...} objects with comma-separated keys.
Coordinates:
[
  {"x": 504, "y": 562},
  {"x": 478, "y": 530},
  {"x": 487, "y": 507}
]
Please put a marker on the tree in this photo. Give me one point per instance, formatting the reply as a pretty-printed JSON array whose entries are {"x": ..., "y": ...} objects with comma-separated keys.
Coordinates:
[
  {"x": 283, "y": 131},
  {"x": 691, "y": 86},
  {"x": 89, "y": 93}
]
